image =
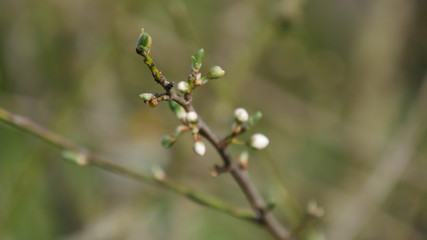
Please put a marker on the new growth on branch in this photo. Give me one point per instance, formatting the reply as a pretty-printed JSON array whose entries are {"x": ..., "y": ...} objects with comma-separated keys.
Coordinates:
[
  {"x": 188, "y": 117},
  {"x": 180, "y": 99}
]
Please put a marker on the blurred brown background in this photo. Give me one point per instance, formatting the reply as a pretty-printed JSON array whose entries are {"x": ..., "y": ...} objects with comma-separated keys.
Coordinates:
[{"x": 341, "y": 84}]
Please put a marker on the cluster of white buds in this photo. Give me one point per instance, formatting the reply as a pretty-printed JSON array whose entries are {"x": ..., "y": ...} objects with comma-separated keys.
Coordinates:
[{"x": 243, "y": 121}]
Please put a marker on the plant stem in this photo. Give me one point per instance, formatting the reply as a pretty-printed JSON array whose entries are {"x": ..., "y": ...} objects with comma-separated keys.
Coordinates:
[
  {"x": 242, "y": 178},
  {"x": 26, "y": 125},
  {"x": 240, "y": 175}
]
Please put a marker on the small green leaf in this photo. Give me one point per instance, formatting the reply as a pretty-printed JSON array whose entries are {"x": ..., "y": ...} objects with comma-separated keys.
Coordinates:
[
  {"x": 254, "y": 119},
  {"x": 168, "y": 141},
  {"x": 197, "y": 60}
]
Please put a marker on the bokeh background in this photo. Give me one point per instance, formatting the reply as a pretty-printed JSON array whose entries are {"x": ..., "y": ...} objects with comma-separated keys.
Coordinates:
[{"x": 342, "y": 86}]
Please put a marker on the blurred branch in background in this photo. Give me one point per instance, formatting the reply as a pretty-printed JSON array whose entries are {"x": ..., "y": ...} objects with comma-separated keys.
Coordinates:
[
  {"x": 363, "y": 204},
  {"x": 83, "y": 157}
]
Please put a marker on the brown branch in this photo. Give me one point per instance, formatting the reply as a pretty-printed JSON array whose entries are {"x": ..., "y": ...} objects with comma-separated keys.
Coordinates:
[{"x": 240, "y": 175}]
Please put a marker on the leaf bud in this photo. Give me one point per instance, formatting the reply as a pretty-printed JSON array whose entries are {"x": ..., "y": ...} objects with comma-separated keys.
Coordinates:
[
  {"x": 144, "y": 42},
  {"x": 215, "y": 72}
]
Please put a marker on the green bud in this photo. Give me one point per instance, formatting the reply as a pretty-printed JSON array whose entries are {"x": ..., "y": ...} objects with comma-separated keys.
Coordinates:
[
  {"x": 146, "y": 96},
  {"x": 144, "y": 41},
  {"x": 178, "y": 110},
  {"x": 254, "y": 119},
  {"x": 75, "y": 157},
  {"x": 216, "y": 72},
  {"x": 168, "y": 141},
  {"x": 197, "y": 60}
]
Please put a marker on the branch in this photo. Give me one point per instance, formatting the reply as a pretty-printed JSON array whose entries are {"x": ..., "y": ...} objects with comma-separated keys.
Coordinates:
[
  {"x": 239, "y": 174},
  {"x": 82, "y": 156}
]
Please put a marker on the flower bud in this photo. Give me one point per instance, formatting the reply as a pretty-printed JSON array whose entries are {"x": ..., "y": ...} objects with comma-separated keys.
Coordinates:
[
  {"x": 216, "y": 72},
  {"x": 192, "y": 117},
  {"x": 144, "y": 41},
  {"x": 168, "y": 141},
  {"x": 259, "y": 141},
  {"x": 243, "y": 160},
  {"x": 183, "y": 87},
  {"x": 158, "y": 173},
  {"x": 181, "y": 128},
  {"x": 241, "y": 115},
  {"x": 199, "y": 148},
  {"x": 179, "y": 111},
  {"x": 146, "y": 96}
]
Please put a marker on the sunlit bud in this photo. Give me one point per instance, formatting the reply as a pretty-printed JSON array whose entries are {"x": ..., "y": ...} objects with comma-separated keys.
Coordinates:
[
  {"x": 216, "y": 72},
  {"x": 192, "y": 117},
  {"x": 168, "y": 141},
  {"x": 146, "y": 96},
  {"x": 196, "y": 60},
  {"x": 244, "y": 160},
  {"x": 183, "y": 87},
  {"x": 144, "y": 42},
  {"x": 199, "y": 148},
  {"x": 259, "y": 141},
  {"x": 158, "y": 173},
  {"x": 241, "y": 115}
]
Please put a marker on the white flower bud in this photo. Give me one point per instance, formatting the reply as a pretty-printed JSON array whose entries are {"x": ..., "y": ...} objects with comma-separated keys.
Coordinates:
[
  {"x": 192, "y": 117},
  {"x": 181, "y": 114},
  {"x": 241, "y": 115},
  {"x": 259, "y": 141},
  {"x": 146, "y": 96},
  {"x": 216, "y": 72},
  {"x": 199, "y": 148},
  {"x": 183, "y": 87}
]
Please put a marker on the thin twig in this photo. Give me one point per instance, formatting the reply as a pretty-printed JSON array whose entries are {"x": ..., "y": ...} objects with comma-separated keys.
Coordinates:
[
  {"x": 89, "y": 158},
  {"x": 240, "y": 175}
]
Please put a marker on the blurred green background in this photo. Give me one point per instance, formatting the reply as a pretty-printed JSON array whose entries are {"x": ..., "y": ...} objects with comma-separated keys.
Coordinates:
[{"x": 341, "y": 84}]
